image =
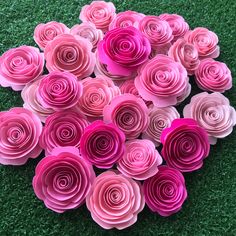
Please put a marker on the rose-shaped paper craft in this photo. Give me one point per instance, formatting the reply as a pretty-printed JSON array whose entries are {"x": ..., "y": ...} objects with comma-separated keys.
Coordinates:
[
  {"x": 100, "y": 13},
  {"x": 165, "y": 192},
  {"x": 115, "y": 200},
  {"x": 70, "y": 53},
  {"x": 124, "y": 50},
  {"x": 213, "y": 76},
  {"x": 63, "y": 179},
  {"x": 20, "y": 130},
  {"x": 129, "y": 113},
  {"x": 140, "y": 161},
  {"x": 162, "y": 80},
  {"x": 129, "y": 87},
  {"x": 212, "y": 112},
  {"x": 185, "y": 145},
  {"x": 19, "y": 66}
]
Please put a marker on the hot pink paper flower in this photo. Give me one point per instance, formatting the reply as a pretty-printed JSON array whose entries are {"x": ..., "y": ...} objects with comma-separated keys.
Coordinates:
[
  {"x": 132, "y": 49},
  {"x": 20, "y": 130},
  {"x": 140, "y": 161},
  {"x": 115, "y": 200},
  {"x": 165, "y": 192},
  {"x": 213, "y": 76},
  {"x": 70, "y": 53},
  {"x": 212, "y": 112},
  {"x": 100, "y": 13},
  {"x": 185, "y": 145},
  {"x": 63, "y": 179},
  {"x": 129, "y": 113},
  {"x": 102, "y": 144},
  {"x": 20, "y": 65}
]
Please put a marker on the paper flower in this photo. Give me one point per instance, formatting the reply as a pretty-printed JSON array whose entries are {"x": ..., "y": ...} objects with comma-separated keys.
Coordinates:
[
  {"x": 115, "y": 200},
  {"x": 63, "y": 179},
  {"x": 20, "y": 65}
]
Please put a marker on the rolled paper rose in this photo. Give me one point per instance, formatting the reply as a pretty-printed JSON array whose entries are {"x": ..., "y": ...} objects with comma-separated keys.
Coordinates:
[
  {"x": 213, "y": 113},
  {"x": 102, "y": 144},
  {"x": 63, "y": 179},
  {"x": 19, "y": 66},
  {"x": 185, "y": 145},
  {"x": 129, "y": 113},
  {"x": 132, "y": 49},
  {"x": 205, "y": 41},
  {"x": 70, "y": 53},
  {"x": 162, "y": 81},
  {"x": 100, "y": 13},
  {"x": 165, "y": 192},
  {"x": 20, "y": 130},
  {"x": 115, "y": 200},
  {"x": 213, "y": 76},
  {"x": 140, "y": 161},
  {"x": 45, "y": 33}
]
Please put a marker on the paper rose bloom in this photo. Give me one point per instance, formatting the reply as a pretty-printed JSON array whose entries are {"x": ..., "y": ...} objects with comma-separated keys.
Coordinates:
[
  {"x": 213, "y": 76},
  {"x": 70, "y": 53},
  {"x": 115, "y": 200},
  {"x": 18, "y": 66},
  {"x": 129, "y": 113},
  {"x": 20, "y": 130},
  {"x": 140, "y": 161},
  {"x": 102, "y": 144},
  {"x": 185, "y": 145},
  {"x": 165, "y": 192},
  {"x": 213, "y": 112},
  {"x": 63, "y": 179},
  {"x": 132, "y": 49}
]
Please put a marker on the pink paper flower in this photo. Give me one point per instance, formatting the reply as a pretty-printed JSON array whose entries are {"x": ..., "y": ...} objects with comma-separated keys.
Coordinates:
[
  {"x": 129, "y": 113},
  {"x": 100, "y": 13},
  {"x": 162, "y": 81},
  {"x": 20, "y": 65},
  {"x": 102, "y": 144},
  {"x": 165, "y": 192},
  {"x": 129, "y": 87},
  {"x": 63, "y": 179},
  {"x": 132, "y": 49},
  {"x": 70, "y": 53},
  {"x": 213, "y": 113},
  {"x": 45, "y": 33},
  {"x": 20, "y": 130},
  {"x": 115, "y": 200},
  {"x": 140, "y": 161},
  {"x": 185, "y": 145},
  {"x": 213, "y": 76}
]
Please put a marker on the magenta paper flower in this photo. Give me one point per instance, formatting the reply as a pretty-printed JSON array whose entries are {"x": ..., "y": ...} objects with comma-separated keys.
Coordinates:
[
  {"x": 185, "y": 145},
  {"x": 115, "y": 200},
  {"x": 102, "y": 144},
  {"x": 141, "y": 159},
  {"x": 20, "y": 65},
  {"x": 213, "y": 113},
  {"x": 20, "y": 130},
  {"x": 132, "y": 49},
  {"x": 165, "y": 192},
  {"x": 63, "y": 179},
  {"x": 129, "y": 113}
]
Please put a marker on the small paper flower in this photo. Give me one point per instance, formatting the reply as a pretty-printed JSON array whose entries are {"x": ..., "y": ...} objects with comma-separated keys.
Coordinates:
[
  {"x": 115, "y": 200},
  {"x": 63, "y": 179},
  {"x": 129, "y": 87},
  {"x": 165, "y": 192},
  {"x": 20, "y": 130}
]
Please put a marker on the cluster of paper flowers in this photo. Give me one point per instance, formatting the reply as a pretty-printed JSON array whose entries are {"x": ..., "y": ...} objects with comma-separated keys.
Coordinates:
[{"x": 108, "y": 101}]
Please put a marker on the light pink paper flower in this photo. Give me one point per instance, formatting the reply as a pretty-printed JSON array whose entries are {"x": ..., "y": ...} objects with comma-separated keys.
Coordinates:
[
  {"x": 115, "y": 200},
  {"x": 63, "y": 179},
  {"x": 20, "y": 130},
  {"x": 20, "y": 65},
  {"x": 213, "y": 112}
]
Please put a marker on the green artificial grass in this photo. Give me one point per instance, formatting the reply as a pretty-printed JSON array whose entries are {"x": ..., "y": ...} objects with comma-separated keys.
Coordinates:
[{"x": 211, "y": 204}]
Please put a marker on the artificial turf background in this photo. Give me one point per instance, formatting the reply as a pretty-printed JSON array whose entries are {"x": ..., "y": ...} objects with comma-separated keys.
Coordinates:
[{"x": 211, "y": 205}]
